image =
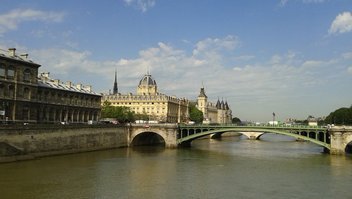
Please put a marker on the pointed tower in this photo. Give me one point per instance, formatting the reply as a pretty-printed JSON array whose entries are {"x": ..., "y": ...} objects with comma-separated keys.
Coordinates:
[
  {"x": 115, "y": 90},
  {"x": 202, "y": 102}
]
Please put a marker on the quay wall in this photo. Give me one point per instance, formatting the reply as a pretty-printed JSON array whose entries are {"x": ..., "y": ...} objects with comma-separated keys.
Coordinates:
[{"x": 29, "y": 142}]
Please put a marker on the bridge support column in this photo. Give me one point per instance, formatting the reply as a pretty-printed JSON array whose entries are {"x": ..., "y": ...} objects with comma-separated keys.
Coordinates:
[
  {"x": 252, "y": 135},
  {"x": 340, "y": 137},
  {"x": 336, "y": 143}
]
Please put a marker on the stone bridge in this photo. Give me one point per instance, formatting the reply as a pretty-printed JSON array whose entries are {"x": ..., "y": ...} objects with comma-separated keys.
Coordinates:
[{"x": 336, "y": 140}]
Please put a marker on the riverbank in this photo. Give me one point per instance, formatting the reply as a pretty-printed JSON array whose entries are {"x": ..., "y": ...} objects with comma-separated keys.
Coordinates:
[{"x": 29, "y": 142}]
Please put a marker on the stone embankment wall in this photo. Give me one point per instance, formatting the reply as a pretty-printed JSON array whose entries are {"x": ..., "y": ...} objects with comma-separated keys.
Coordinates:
[{"x": 28, "y": 142}]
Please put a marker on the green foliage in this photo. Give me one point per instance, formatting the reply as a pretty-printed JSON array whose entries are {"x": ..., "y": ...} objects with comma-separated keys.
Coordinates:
[
  {"x": 341, "y": 116},
  {"x": 144, "y": 117},
  {"x": 236, "y": 120},
  {"x": 120, "y": 113},
  {"x": 195, "y": 114}
]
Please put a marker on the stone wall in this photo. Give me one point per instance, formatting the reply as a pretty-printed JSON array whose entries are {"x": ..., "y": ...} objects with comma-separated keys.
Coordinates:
[
  {"x": 30, "y": 142},
  {"x": 341, "y": 136}
]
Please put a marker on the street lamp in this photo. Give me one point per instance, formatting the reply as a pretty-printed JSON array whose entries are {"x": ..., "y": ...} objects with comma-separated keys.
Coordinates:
[{"x": 273, "y": 118}]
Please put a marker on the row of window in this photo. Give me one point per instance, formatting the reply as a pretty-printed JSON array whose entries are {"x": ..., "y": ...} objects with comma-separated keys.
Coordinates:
[
  {"x": 10, "y": 73},
  {"x": 68, "y": 99},
  {"x": 130, "y": 103},
  {"x": 9, "y": 92},
  {"x": 135, "y": 98}
]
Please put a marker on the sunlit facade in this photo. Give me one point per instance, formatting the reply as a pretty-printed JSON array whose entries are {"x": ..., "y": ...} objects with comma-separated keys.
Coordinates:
[
  {"x": 213, "y": 113},
  {"x": 147, "y": 100},
  {"x": 29, "y": 98}
]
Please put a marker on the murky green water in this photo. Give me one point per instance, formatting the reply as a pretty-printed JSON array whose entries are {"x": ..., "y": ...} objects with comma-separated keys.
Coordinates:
[{"x": 275, "y": 167}]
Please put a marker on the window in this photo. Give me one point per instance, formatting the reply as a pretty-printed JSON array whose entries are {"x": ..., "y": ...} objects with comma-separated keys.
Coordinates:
[
  {"x": 2, "y": 70},
  {"x": 11, "y": 73},
  {"x": 2, "y": 90},
  {"x": 11, "y": 91},
  {"x": 27, "y": 75},
  {"x": 26, "y": 93}
]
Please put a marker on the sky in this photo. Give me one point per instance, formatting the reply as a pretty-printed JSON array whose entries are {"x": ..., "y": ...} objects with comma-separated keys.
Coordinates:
[{"x": 290, "y": 57}]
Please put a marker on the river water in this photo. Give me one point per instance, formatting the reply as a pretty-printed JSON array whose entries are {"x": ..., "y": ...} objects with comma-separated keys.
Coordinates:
[{"x": 233, "y": 167}]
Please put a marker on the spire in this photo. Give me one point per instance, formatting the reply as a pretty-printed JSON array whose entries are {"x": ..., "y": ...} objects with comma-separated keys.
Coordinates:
[
  {"x": 218, "y": 105},
  {"x": 115, "y": 90},
  {"x": 202, "y": 93},
  {"x": 227, "y": 105}
]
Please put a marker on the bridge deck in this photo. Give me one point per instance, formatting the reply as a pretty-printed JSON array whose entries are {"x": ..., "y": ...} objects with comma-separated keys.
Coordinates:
[{"x": 316, "y": 134}]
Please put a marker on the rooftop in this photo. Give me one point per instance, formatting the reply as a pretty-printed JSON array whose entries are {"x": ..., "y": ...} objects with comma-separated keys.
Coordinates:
[{"x": 46, "y": 81}]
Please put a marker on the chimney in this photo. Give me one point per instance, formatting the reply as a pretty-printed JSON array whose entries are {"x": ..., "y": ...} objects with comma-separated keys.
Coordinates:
[
  {"x": 69, "y": 84},
  {"x": 45, "y": 74},
  {"x": 24, "y": 55},
  {"x": 12, "y": 52},
  {"x": 79, "y": 86},
  {"x": 88, "y": 88},
  {"x": 56, "y": 82}
]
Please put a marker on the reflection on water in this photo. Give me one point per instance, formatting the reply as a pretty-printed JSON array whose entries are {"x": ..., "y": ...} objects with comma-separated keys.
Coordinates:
[{"x": 233, "y": 167}]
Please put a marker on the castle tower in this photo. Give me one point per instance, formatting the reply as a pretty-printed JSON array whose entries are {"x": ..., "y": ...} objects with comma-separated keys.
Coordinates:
[
  {"x": 147, "y": 86},
  {"x": 202, "y": 102},
  {"x": 115, "y": 89}
]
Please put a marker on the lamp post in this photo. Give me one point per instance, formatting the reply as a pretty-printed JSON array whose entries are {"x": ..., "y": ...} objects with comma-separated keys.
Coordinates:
[{"x": 273, "y": 118}]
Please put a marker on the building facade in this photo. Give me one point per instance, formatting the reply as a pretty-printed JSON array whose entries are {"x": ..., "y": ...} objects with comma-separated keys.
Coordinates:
[
  {"x": 159, "y": 107},
  {"x": 27, "y": 97},
  {"x": 213, "y": 113}
]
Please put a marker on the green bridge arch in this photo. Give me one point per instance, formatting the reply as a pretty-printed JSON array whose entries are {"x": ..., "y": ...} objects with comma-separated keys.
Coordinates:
[{"x": 319, "y": 136}]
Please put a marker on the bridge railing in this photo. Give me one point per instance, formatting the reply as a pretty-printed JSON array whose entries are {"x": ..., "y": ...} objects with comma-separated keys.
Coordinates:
[{"x": 254, "y": 125}]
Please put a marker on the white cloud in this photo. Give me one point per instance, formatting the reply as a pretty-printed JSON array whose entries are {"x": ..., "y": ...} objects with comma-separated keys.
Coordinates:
[
  {"x": 349, "y": 70},
  {"x": 314, "y": 1},
  {"x": 143, "y": 5},
  {"x": 278, "y": 83},
  {"x": 216, "y": 44},
  {"x": 342, "y": 23},
  {"x": 284, "y": 2},
  {"x": 11, "y": 20},
  {"x": 347, "y": 55}
]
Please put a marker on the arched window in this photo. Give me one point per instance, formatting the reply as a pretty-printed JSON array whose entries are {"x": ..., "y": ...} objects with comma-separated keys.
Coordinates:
[{"x": 27, "y": 75}]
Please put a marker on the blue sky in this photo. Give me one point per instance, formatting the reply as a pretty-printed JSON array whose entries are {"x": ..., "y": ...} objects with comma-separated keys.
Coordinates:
[{"x": 291, "y": 57}]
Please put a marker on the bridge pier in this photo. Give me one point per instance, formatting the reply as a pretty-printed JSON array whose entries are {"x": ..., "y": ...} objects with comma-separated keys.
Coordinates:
[
  {"x": 252, "y": 135},
  {"x": 168, "y": 132},
  {"x": 340, "y": 137}
]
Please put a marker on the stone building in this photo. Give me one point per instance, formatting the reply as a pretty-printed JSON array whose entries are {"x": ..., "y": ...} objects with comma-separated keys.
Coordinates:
[
  {"x": 25, "y": 97},
  {"x": 159, "y": 107},
  {"x": 213, "y": 113}
]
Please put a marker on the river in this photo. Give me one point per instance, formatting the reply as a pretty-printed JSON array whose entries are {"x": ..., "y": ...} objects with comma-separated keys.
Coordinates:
[{"x": 233, "y": 167}]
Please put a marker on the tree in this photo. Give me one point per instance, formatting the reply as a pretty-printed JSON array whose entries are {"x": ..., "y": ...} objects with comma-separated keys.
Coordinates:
[
  {"x": 236, "y": 120},
  {"x": 195, "y": 114},
  {"x": 121, "y": 113},
  {"x": 341, "y": 116}
]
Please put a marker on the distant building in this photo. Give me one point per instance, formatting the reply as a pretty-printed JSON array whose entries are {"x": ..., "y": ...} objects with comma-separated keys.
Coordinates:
[
  {"x": 213, "y": 113},
  {"x": 312, "y": 121},
  {"x": 159, "y": 107},
  {"x": 25, "y": 97}
]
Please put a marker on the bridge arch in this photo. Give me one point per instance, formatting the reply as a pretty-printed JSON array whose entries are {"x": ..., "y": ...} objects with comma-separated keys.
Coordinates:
[
  {"x": 348, "y": 147},
  {"x": 314, "y": 137},
  {"x": 153, "y": 134},
  {"x": 147, "y": 137}
]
